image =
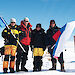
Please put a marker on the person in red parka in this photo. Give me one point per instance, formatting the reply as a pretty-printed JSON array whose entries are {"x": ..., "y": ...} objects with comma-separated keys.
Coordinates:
[{"x": 25, "y": 39}]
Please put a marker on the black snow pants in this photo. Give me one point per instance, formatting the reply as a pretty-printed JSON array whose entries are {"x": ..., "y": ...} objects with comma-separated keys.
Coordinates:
[
  {"x": 37, "y": 63},
  {"x": 21, "y": 56}
]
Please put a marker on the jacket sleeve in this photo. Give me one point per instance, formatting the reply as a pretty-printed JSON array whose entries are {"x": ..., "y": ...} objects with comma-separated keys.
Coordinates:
[
  {"x": 32, "y": 38},
  {"x": 44, "y": 41},
  {"x": 5, "y": 33},
  {"x": 21, "y": 33},
  {"x": 47, "y": 38}
]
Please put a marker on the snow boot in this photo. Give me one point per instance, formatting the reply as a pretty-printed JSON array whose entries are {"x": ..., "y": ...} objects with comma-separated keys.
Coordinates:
[
  {"x": 35, "y": 67},
  {"x": 39, "y": 68},
  {"x": 17, "y": 67},
  {"x": 62, "y": 68},
  {"x": 5, "y": 70},
  {"x": 34, "y": 70},
  {"x": 12, "y": 70},
  {"x": 53, "y": 66},
  {"x": 23, "y": 69}
]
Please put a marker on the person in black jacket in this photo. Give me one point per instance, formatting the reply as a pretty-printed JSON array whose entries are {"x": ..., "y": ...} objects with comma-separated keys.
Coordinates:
[
  {"x": 50, "y": 32},
  {"x": 38, "y": 41}
]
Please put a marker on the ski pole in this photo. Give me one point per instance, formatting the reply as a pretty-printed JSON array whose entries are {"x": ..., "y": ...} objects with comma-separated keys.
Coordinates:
[{"x": 11, "y": 32}]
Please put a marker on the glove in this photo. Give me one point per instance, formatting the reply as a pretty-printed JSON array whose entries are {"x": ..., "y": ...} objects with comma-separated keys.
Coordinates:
[
  {"x": 16, "y": 39},
  {"x": 48, "y": 46},
  {"x": 9, "y": 30}
]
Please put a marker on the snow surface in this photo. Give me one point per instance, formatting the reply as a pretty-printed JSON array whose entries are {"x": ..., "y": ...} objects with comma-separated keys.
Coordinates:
[{"x": 69, "y": 58}]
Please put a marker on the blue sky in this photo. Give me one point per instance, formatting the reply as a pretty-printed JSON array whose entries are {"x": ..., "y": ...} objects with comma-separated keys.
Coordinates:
[{"x": 39, "y": 11}]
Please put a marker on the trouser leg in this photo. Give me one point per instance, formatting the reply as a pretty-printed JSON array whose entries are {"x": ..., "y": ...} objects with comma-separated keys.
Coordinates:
[
  {"x": 61, "y": 61},
  {"x": 39, "y": 63},
  {"x": 54, "y": 61},
  {"x": 35, "y": 64},
  {"x": 12, "y": 64},
  {"x": 5, "y": 63},
  {"x": 6, "y": 58},
  {"x": 12, "y": 61},
  {"x": 18, "y": 59},
  {"x": 24, "y": 58}
]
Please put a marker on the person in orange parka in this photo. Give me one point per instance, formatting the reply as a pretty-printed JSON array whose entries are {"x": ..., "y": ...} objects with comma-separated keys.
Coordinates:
[{"x": 25, "y": 40}]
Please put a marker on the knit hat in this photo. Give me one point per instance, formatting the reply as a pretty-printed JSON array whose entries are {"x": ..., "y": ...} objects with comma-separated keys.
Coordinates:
[
  {"x": 52, "y": 21},
  {"x": 26, "y": 18},
  {"x": 12, "y": 20},
  {"x": 38, "y": 25}
]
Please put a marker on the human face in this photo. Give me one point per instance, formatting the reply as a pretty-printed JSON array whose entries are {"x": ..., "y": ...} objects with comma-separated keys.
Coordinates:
[
  {"x": 26, "y": 22},
  {"x": 13, "y": 23},
  {"x": 38, "y": 28},
  {"x": 52, "y": 24}
]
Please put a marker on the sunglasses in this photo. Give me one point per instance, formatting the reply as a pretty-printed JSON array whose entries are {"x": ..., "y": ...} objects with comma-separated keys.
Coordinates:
[
  {"x": 12, "y": 22},
  {"x": 25, "y": 21},
  {"x": 52, "y": 23}
]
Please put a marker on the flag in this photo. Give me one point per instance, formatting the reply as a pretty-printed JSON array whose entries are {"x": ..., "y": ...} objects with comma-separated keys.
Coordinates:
[{"x": 61, "y": 36}]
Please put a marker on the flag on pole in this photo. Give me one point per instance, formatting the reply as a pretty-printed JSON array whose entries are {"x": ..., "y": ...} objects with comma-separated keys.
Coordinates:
[{"x": 61, "y": 36}]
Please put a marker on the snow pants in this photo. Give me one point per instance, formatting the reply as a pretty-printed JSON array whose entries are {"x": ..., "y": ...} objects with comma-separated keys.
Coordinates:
[
  {"x": 38, "y": 53},
  {"x": 37, "y": 63},
  {"x": 10, "y": 51},
  {"x": 21, "y": 56}
]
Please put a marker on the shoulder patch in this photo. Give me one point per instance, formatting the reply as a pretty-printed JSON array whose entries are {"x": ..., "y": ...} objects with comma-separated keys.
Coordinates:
[{"x": 5, "y": 30}]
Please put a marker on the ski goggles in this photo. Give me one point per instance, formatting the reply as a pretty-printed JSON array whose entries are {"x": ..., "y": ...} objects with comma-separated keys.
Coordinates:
[{"x": 12, "y": 22}]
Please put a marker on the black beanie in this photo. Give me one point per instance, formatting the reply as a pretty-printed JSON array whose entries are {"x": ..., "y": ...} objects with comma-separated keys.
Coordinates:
[
  {"x": 38, "y": 25},
  {"x": 52, "y": 21}
]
